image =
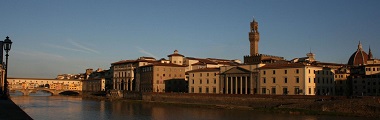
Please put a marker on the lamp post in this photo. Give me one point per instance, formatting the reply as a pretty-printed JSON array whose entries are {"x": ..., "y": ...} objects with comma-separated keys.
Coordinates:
[{"x": 7, "y": 46}]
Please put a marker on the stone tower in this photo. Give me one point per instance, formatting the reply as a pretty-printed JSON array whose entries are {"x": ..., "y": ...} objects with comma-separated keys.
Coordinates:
[
  {"x": 254, "y": 38},
  {"x": 370, "y": 56}
]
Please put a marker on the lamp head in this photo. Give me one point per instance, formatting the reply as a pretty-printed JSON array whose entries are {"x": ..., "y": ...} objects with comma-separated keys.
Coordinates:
[{"x": 7, "y": 44}]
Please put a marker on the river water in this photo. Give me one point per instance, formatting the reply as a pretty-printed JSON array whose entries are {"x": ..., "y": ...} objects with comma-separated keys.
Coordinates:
[{"x": 41, "y": 107}]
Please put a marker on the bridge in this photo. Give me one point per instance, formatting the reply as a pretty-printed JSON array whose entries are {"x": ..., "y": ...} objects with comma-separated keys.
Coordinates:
[
  {"x": 52, "y": 91},
  {"x": 53, "y": 86}
]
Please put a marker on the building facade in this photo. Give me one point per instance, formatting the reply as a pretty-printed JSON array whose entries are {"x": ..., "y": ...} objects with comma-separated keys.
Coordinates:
[
  {"x": 296, "y": 79},
  {"x": 155, "y": 77},
  {"x": 204, "y": 80},
  {"x": 240, "y": 79},
  {"x": 124, "y": 73}
]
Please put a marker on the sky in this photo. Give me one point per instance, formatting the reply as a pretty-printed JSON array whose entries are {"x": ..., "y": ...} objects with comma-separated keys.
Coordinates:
[{"x": 52, "y": 37}]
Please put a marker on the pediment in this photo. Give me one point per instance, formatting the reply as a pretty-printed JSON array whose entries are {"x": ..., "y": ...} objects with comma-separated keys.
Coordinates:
[{"x": 236, "y": 70}]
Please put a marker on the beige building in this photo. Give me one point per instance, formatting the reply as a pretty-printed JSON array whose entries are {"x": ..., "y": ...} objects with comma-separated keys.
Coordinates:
[
  {"x": 123, "y": 73},
  {"x": 94, "y": 85},
  {"x": 176, "y": 58},
  {"x": 239, "y": 79},
  {"x": 162, "y": 77},
  {"x": 296, "y": 79},
  {"x": 204, "y": 80}
]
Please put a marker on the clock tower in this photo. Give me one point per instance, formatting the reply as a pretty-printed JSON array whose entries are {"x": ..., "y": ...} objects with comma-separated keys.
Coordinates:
[{"x": 254, "y": 38}]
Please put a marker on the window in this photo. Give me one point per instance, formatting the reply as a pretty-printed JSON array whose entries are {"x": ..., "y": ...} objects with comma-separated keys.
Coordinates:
[
  {"x": 264, "y": 72},
  {"x": 207, "y": 74},
  {"x": 214, "y": 80},
  {"x": 206, "y": 89},
  {"x": 285, "y": 91},
  {"x": 285, "y": 80},
  {"x": 200, "y": 89},
  {"x": 207, "y": 81},
  {"x": 297, "y": 80},
  {"x": 200, "y": 74},
  {"x": 286, "y": 71},
  {"x": 297, "y": 71},
  {"x": 192, "y": 89},
  {"x": 309, "y": 90},
  {"x": 213, "y": 90},
  {"x": 264, "y": 80},
  {"x": 309, "y": 80},
  {"x": 264, "y": 90},
  {"x": 323, "y": 80},
  {"x": 274, "y": 72},
  {"x": 296, "y": 91},
  {"x": 193, "y": 74},
  {"x": 193, "y": 81},
  {"x": 274, "y": 80},
  {"x": 200, "y": 81}
]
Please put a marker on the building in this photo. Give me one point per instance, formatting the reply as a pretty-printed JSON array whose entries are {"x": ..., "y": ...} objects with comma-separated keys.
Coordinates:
[
  {"x": 296, "y": 79},
  {"x": 255, "y": 57},
  {"x": 124, "y": 73},
  {"x": 99, "y": 80},
  {"x": 241, "y": 79},
  {"x": 342, "y": 84},
  {"x": 176, "y": 58},
  {"x": 359, "y": 57},
  {"x": 204, "y": 80},
  {"x": 155, "y": 77},
  {"x": 364, "y": 79},
  {"x": 94, "y": 85}
]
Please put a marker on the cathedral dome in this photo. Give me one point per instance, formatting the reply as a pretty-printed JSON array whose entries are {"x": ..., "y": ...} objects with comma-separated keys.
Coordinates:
[{"x": 359, "y": 57}]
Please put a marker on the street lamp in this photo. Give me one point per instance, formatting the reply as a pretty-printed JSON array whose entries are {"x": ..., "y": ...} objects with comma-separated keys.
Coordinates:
[{"x": 7, "y": 46}]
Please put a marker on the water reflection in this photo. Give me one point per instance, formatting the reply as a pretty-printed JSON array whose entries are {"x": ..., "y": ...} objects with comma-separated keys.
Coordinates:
[{"x": 76, "y": 108}]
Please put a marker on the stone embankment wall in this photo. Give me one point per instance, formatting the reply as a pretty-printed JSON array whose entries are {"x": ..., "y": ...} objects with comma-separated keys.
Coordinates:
[{"x": 363, "y": 106}]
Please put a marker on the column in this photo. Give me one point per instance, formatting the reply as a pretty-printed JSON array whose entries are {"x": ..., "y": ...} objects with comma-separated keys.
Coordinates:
[
  {"x": 227, "y": 90},
  {"x": 230, "y": 85},
  {"x": 241, "y": 84},
  {"x": 246, "y": 85},
  {"x": 236, "y": 85}
]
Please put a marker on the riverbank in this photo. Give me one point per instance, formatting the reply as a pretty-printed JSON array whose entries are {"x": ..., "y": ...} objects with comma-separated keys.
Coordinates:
[
  {"x": 10, "y": 111},
  {"x": 311, "y": 105}
]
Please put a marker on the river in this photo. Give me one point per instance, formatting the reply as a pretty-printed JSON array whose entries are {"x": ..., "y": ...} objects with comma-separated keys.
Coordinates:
[{"x": 41, "y": 107}]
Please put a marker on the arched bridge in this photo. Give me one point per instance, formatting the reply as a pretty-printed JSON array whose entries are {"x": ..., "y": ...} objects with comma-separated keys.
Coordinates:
[
  {"x": 52, "y": 91},
  {"x": 54, "y": 86}
]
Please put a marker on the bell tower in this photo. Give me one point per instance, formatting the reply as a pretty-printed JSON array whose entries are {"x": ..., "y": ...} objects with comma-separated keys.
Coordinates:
[{"x": 254, "y": 38}]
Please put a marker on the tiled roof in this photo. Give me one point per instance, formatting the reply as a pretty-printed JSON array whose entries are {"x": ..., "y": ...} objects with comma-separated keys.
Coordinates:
[
  {"x": 282, "y": 65},
  {"x": 132, "y": 61},
  {"x": 205, "y": 70},
  {"x": 123, "y": 61},
  {"x": 164, "y": 64},
  {"x": 175, "y": 54}
]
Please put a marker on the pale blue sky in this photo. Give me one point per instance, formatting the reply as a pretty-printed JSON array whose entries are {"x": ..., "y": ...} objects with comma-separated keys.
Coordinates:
[{"x": 68, "y": 36}]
